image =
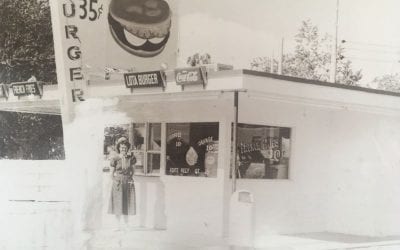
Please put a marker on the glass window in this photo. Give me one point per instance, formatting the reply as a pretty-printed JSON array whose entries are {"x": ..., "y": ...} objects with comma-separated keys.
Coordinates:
[
  {"x": 154, "y": 137},
  {"x": 263, "y": 151},
  {"x": 145, "y": 139},
  {"x": 112, "y": 134},
  {"x": 147, "y": 148},
  {"x": 138, "y": 135},
  {"x": 154, "y": 149},
  {"x": 153, "y": 163},
  {"x": 192, "y": 149}
]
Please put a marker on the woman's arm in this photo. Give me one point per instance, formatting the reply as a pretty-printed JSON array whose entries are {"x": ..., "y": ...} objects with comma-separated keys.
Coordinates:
[
  {"x": 113, "y": 164},
  {"x": 132, "y": 166}
]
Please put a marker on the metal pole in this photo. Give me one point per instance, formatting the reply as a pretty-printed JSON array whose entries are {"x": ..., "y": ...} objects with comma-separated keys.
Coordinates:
[
  {"x": 332, "y": 76},
  {"x": 280, "y": 58},
  {"x": 234, "y": 141},
  {"x": 272, "y": 63}
]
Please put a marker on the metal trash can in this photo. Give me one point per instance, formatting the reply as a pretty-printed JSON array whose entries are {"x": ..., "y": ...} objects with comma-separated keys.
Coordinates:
[{"x": 241, "y": 219}]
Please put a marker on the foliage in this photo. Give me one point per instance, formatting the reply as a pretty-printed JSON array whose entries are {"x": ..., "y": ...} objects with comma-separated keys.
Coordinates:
[
  {"x": 311, "y": 58},
  {"x": 264, "y": 64},
  {"x": 26, "y": 41},
  {"x": 197, "y": 59},
  {"x": 389, "y": 82},
  {"x": 31, "y": 136}
]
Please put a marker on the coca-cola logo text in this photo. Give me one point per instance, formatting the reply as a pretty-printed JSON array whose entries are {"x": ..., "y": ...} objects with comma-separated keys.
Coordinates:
[{"x": 187, "y": 76}]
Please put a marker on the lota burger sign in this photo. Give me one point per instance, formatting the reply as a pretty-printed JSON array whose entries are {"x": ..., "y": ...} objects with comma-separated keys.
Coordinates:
[{"x": 141, "y": 27}]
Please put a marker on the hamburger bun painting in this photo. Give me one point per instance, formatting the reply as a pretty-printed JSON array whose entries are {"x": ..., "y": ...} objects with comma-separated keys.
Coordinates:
[{"x": 140, "y": 27}]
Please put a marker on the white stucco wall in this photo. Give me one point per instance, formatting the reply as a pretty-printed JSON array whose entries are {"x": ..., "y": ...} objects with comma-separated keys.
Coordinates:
[
  {"x": 194, "y": 206},
  {"x": 364, "y": 176},
  {"x": 343, "y": 176},
  {"x": 344, "y": 168},
  {"x": 35, "y": 205}
]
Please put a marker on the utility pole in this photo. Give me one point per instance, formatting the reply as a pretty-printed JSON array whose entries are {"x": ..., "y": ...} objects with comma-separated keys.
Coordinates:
[
  {"x": 235, "y": 162},
  {"x": 280, "y": 62},
  {"x": 271, "y": 65},
  {"x": 332, "y": 76}
]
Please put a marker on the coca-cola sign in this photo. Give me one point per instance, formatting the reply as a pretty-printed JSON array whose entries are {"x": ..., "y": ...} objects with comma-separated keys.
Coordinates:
[{"x": 192, "y": 76}]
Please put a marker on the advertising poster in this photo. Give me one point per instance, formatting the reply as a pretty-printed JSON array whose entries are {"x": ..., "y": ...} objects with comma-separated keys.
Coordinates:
[
  {"x": 101, "y": 38},
  {"x": 192, "y": 149},
  {"x": 263, "y": 151}
]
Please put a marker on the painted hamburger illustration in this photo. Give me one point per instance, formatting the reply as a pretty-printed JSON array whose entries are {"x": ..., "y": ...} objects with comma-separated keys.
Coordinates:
[{"x": 141, "y": 27}]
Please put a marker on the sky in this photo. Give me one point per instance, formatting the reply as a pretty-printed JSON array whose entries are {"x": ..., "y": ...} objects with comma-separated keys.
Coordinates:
[{"x": 235, "y": 31}]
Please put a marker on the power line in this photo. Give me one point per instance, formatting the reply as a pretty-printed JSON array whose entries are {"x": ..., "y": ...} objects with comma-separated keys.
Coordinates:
[
  {"x": 371, "y": 44},
  {"x": 373, "y": 50},
  {"x": 372, "y": 59}
]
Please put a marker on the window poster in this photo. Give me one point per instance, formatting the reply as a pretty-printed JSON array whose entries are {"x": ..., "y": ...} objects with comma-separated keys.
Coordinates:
[
  {"x": 192, "y": 149},
  {"x": 263, "y": 151}
]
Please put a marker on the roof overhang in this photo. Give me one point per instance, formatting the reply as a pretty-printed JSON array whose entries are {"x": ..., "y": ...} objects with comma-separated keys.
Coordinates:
[{"x": 50, "y": 107}]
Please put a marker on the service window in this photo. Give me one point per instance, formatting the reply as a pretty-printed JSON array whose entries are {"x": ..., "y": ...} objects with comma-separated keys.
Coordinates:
[
  {"x": 112, "y": 134},
  {"x": 145, "y": 140},
  {"x": 263, "y": 151},
  {"x": 147, "y": 148},
  {"x": 192, "y": 149}
]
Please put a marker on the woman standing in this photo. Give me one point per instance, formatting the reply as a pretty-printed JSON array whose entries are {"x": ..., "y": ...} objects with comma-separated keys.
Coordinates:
[{"x": 122, "y": 200}]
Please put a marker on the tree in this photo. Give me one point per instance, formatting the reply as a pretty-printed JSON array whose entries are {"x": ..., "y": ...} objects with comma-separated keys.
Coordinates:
[
  {"x": 197, "y": 59},
  {"x": 389, "y": 82},
  {"x": 264, "y": 64},
  {"x": 31, "y": 136},
  {"x": 311, "y": 58},
  {"x": 26, "y": 41}
]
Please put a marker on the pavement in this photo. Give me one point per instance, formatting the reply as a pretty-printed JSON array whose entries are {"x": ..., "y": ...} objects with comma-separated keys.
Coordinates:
[{"x": 142, "y": 239}]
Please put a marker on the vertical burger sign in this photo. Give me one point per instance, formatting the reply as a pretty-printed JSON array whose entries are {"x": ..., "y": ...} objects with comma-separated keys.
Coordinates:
[{"x": 121, "y": 35}]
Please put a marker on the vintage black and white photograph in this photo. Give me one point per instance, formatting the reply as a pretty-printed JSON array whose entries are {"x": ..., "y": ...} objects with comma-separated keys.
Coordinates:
[{"x": 199, "y": 124}]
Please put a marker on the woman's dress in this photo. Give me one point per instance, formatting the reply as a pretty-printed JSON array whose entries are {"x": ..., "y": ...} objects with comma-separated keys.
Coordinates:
[{"x": 123, "y": 198}]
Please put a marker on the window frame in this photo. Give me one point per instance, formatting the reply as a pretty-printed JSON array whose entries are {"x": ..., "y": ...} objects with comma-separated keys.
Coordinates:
[
  {"x": 146, "y": 152},
  {"x": 292, "y": 130}
]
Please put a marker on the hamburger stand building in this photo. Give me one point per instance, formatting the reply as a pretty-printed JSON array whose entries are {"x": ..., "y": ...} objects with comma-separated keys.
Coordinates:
[{"x": 311, "y": 156}]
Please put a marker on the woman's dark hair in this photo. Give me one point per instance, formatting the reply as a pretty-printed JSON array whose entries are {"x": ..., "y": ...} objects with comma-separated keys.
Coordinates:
[{"x": 122, "y": 141}]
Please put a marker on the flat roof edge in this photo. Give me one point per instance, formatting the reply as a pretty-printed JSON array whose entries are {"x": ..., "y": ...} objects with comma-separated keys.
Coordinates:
[{"x": 319, "y": 83}]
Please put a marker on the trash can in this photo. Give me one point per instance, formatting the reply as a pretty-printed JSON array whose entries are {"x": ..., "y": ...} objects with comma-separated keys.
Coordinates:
[{"x": 241, "y": 219}]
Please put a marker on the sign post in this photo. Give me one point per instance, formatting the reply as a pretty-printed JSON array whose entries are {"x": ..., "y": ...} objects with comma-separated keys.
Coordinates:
[{"x": 3, "y": 91}]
